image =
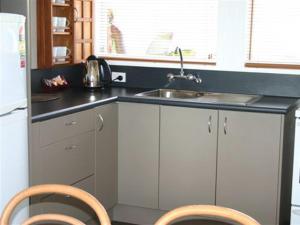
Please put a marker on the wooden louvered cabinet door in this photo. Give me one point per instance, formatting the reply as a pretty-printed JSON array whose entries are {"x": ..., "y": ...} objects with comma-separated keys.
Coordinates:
[{"x": 83, "y": 29}]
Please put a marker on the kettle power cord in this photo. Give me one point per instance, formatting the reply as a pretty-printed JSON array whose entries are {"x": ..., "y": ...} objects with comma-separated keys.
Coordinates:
[{"x": 119, "y": 78}]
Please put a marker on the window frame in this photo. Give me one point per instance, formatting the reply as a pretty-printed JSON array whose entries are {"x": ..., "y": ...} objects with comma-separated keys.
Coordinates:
[
  {"x": 253, "y": 64},
  {"x": 133, "y": 59}
]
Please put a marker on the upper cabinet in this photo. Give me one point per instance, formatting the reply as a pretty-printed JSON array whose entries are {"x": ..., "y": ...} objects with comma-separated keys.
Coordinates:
[
  {"x": 83, "y": 29},
  {"x": 64, "y": 29}
]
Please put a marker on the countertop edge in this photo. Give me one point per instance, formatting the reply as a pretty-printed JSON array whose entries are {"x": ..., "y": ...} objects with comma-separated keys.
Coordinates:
[
  {"x": 81, "y": 107},
  {"x": 70, "y": 110},
  {"x": 203, "y": 105}
]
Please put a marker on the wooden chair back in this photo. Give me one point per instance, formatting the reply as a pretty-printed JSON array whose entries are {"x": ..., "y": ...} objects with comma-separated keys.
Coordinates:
[
  {"x": 207, "y": 211},
  {"x": 55, "y": 189}
]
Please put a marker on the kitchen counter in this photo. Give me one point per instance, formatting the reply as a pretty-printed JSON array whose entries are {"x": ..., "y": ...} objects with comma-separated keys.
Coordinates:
[
  {"x": 75, "y": 100},
  {"x": 78, "y": 99}
]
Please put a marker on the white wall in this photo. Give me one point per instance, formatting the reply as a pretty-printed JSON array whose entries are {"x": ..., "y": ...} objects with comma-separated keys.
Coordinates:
[{"x": 232, "y": 41}]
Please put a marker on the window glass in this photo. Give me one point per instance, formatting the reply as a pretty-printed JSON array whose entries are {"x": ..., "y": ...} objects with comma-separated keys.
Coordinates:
[
  {"x": 152, "y": 29},
  {"x": 274, "y": 31}
]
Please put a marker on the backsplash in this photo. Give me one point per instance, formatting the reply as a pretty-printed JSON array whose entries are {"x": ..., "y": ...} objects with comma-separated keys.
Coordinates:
[
  {"x": 73, "y": 74},
  {"x": 213, "y": 81}
]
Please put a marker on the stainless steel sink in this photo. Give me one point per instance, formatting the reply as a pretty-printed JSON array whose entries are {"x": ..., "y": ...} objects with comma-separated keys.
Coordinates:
[
  {"x": 204, "y": 97},
  {"x": 229, "y": 99},
  {"x": 169, "y": 93}
]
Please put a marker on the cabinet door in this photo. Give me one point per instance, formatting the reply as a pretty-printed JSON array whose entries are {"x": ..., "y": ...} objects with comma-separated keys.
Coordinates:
[
  {"x": 65, "y": 205},
  {"x": 83, "y": 30},
  {"x": 188, "y": 146},
  {"x": 138, "y": 154},
  {"x": 248, "y": 163},
  {"x": 65, "y": 162},
  {"x": 106, "y": 130}
]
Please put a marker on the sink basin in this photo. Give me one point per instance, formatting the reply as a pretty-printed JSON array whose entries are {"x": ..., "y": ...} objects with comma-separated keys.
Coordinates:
[
  {"x": 204, "y": 97},
  {"x": 169, "y": 93},
  {"x": 229, "y": 99}
]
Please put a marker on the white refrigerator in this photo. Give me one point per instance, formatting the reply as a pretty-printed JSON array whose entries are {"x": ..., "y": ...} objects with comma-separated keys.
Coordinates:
[
  {"x": 295, "y": 210},
  {"x": 13, "y": 112}
]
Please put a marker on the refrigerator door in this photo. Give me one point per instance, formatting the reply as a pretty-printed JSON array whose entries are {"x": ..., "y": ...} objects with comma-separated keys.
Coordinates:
[
  {"x": 295, "y": 215},
  {"x": 14, "y": 160},
  {"x": 12, "y": 63},
  {"x": 296, "y": 167}
]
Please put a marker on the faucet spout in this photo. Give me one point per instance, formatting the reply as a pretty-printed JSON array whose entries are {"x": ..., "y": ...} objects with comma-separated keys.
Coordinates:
[
  {"x": 178, "y": 50},
  {"x": 182, "y": 76}
]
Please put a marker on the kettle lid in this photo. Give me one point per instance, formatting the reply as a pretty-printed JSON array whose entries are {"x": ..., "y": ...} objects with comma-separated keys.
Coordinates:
[{"x": 91, "y": 57}]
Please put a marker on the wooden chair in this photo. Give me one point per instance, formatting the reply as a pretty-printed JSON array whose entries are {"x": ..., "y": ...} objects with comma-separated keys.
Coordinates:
[
  {"x": 215, "y": 213},
  {"x": 55, "y": 189}
]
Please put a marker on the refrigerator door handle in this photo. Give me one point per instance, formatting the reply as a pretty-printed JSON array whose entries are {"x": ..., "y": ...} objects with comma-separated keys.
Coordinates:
[{"x": 8, "y": 112}]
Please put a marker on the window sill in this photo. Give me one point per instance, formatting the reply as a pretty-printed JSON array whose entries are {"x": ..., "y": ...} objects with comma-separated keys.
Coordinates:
[
  {"x": 272, "y": 65},
  {"x": 210, "y": 63}
]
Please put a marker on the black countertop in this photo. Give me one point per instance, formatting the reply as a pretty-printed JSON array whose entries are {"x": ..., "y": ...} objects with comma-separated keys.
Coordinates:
[{"x": 75, "y": 100}]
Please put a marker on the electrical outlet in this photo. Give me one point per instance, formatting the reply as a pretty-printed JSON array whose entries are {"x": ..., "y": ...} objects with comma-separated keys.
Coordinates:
[{"x": 117, "y": 74}]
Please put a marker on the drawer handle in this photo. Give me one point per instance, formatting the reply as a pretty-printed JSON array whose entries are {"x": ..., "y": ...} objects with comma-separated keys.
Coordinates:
[
  {"x": 209, "y": 124},
  {"x": 101, "y": 122},
  {"x": 73, "y": 147},
  {"x": 71, "y": 123},
  {"x": 225, "y": 126}
]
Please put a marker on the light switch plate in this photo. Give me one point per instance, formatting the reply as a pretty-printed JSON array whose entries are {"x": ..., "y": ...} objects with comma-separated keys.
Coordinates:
[{"x": 117, "y": 74}]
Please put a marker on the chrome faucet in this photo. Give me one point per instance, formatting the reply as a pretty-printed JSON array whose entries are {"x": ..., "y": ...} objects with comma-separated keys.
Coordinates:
[
  {"x": 191, "y": 77},
  {"x": 181, "y": 60}
]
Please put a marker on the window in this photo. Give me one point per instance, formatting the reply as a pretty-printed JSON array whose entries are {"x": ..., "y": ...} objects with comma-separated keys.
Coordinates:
[
  {"x": 274, "y": 33},
  {"x": 150, "y": 30}
]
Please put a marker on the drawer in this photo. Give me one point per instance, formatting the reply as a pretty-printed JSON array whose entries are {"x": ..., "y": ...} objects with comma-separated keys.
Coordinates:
[
  {"x": 67, "y": 126},
  {"x": 65, "y": 162},
  {"x": 66, "y": 205}
]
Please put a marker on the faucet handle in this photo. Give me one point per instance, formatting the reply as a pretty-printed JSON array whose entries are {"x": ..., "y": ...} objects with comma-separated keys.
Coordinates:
[
  {"x": 194, "y": 78},
  {"x": 190, "y": 77},
  {"x": 198, "y": 80},
  {"x": 171, "y": 76}
]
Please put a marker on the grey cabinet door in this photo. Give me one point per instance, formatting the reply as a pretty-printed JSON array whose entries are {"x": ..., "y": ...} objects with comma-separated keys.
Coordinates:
[
  {"x": 65, "y": 205},
  {"x": 106, "y": 130},
  {"x": 188, "y": 147},
  {"x": 248, "y": 163},
  {"x": 138, "y": 155}
]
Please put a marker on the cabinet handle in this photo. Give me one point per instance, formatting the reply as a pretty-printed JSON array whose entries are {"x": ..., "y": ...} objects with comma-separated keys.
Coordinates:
[
  {"x": 71, "y": 123},
  {"x": 73, "y": 147},
  {"x": 209, "y": 124},
  {"x": 76, "y": 14},
  {"x": 225, "y": 126},
  {"x": 102, "y": 122}
]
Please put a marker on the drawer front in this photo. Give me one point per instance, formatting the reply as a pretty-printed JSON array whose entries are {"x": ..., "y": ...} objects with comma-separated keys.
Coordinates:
[
  {"x": 67, "y": 126},
  {"x": 68, "y": 161},
  {"x": 66, "y": 205}
]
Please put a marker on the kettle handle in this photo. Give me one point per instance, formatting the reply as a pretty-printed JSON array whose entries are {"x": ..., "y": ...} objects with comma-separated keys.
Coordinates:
[{"x": 107, "y": 70}]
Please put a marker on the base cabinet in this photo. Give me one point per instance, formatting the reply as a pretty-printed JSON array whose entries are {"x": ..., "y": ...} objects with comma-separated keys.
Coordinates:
[
  {"x": 188, "y": 151},
  {"x": 162, "y": 157},
  {"x": 249, "y": 163},
  {"x": 106, "y": 136},
  {"x": 138, "y": 155},
  {"x": 59, "y": 204}
]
